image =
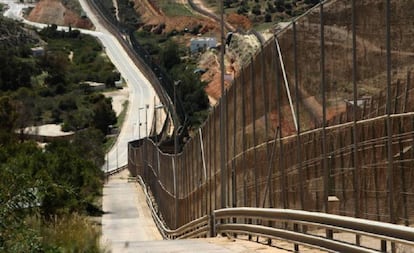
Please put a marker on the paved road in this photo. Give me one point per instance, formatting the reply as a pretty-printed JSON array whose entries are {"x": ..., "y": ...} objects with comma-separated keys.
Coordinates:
[
  {"x": 141, "y": 94},
  {"x": 127, "y": 220}
]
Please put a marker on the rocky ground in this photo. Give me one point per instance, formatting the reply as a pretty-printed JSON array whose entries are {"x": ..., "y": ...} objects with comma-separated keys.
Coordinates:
[{"x": 55, "y": 12}]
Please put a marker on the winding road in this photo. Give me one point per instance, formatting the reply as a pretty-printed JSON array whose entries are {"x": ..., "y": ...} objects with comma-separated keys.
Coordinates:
[{"x": 140, "y": 111}]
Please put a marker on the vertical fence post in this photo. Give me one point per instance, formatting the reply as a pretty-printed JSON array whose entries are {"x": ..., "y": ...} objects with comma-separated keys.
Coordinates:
[
  {"x": 227, "y": 150},
  {"x": 212, "y": 224},
  {"x": 222, "y": 118},
  {"x": 390, "y": 172},
  {"x": 326, "y": 174},
  {"x": 356, "y": 171},
  {"x": 175, "y": 192},
  {"x": 243, "y": 86},
  {"x": 298, "y": 132},
  {"x": 280, "y": 142},
  {"x": 403, "y": 175},
  {"x": 253, "y": 118},
  {"x": 233, "y": 163}
]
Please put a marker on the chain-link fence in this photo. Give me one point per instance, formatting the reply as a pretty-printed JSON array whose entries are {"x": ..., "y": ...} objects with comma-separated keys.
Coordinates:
[{"x": 320, "y": 119}]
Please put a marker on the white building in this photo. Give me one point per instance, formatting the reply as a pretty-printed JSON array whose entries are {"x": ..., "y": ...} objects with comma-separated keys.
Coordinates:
[
  {"x": 38, "y": 51},
  {"x": 202, "y": 43}
]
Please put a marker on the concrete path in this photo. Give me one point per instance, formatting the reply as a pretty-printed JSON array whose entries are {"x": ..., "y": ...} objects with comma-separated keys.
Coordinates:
[
  {"x": 127, "y": 219},
  {"x": 127, "y": 226}
]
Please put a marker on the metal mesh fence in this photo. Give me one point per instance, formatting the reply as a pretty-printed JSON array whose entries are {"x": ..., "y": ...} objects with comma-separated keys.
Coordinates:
[{"x": 320, "y": 119}]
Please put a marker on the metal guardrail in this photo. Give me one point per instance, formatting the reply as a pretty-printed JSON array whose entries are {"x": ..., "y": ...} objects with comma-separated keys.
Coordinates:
[
  {"x": 379, "y": 230},
  {"x": 196, "y": 228},
  {"x": 238, "y": 221},
  {"x": 115, "y": 171}
]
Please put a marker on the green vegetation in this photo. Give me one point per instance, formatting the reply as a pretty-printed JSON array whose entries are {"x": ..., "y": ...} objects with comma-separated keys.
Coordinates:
[
  {"x": 73, "y": 5},
  {"x": 274, "y": 11},
  {"x": 50, "y": 88},
  {"x": 174, "y": 9},
  {"x": 42, "y": 188},
  {"x": 174, "y": 59},
  {"x": 127, "y": 14},
  {"x": 191, "y": 89},
  {"x": 46, "y": 193}
]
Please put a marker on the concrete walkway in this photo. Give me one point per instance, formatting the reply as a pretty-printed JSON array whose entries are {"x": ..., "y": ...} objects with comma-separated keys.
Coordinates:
[
  {"x": 127, "y": 218},
  {"x": 127, "y": 226}
]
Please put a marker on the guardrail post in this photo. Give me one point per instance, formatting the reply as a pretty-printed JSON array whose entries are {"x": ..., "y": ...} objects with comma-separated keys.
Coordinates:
[
  {"x": 296, "y": 229},
  {"x": 383, "y": 246},
  {"x": 212, "y": 224}
]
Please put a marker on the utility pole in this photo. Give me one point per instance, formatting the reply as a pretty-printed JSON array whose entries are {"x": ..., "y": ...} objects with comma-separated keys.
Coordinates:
[{"x": 139, "y": 122}]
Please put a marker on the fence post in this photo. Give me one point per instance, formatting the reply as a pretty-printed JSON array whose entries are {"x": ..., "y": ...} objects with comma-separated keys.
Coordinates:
[{"x": 212, "y": 223}]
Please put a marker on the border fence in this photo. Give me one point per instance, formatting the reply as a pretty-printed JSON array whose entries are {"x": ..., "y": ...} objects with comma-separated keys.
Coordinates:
[{"x": 321, "y": 119}]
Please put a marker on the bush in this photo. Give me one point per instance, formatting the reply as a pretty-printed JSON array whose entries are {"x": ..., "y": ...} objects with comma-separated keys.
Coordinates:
[
  {"x": 268, "y": 17},
  {"x": 256, "y": 10}
]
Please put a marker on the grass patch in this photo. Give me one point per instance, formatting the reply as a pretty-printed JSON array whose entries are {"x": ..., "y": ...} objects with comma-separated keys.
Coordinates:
[
  {"x": 111, "y": 139},
  {"x": 74, "y": 5},
  {"x": 74, "y": 233},
  {"x": 175, "y": 9},
  {"x": 264, "y": 26},
  {"x": 109, "y": 143},
  {"x": 122, "y": 115}
]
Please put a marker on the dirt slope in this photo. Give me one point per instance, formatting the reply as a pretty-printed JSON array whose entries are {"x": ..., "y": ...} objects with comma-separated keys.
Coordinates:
[{"x": 54, "y": 12}]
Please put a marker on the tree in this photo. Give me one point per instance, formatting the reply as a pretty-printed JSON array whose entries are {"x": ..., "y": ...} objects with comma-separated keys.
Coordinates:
[
  {"x": 37, "y": 185},
  {"x": 75, "y": 181},
  {"x": 191, "y": 93},
  {"x": 268, "y": 17},
  {"x": 103, "y": 115},
  {"x": 7, "y": 119},
  {"x": 256, "y": 10},
  {"x": 169, "y": 56},
  {"x": 89, "y": 145}
]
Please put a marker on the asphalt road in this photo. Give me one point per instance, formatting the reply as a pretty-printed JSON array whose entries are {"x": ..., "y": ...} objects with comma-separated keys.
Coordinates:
[{"x": 141, "y": 95}]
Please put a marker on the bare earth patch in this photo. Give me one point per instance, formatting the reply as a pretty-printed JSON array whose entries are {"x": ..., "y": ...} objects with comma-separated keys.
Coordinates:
[
  {"x": 119, "y": 97},
  {"x": 54, "y": 12}
]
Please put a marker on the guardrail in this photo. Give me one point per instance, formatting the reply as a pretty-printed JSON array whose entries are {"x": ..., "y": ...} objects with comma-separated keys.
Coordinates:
[
  {"x": 294, "y": 226},
  {"x": 115, "y": 171},
  {"x": 233, "y": 220},
  {"x": 196, "y": 228}
]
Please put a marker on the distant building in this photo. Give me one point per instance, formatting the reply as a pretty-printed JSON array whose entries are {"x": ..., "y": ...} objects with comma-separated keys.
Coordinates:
[
  {"x": 96, "y": 86},
  {"x": 83, "y": 14},
  {"x": 202, "y": 43},
  {"x": 38, "y": 51}
]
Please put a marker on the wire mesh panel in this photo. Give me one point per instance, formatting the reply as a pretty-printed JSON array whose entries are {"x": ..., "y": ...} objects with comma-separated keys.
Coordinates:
[{"x": 320, "y": 119}]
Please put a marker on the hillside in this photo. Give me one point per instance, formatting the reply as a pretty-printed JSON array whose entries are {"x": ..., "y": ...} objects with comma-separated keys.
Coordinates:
[
  {"x": 55, "y": 12},
  {"x": 264, "y": 14}
]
